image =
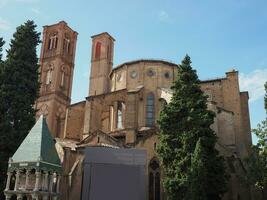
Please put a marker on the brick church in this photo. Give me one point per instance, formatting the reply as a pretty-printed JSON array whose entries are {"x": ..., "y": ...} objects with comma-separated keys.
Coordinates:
[{"x": 122, "y": 108}]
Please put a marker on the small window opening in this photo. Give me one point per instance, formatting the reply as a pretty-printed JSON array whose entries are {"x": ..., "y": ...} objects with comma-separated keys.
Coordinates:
[
  {"x": 97, "y": 50},
  {"x": 52, "y": 43},
  {"x": 62, "y": 82},
  {"x": 66, "y": 45},
  {"x": 150, "y": 106},
  {"x": 49, "y": 76},
  {"x": 119, "y": 115}
]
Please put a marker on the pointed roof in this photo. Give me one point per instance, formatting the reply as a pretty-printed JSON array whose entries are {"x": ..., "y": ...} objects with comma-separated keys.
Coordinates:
[{"x": 37, "y": 150}]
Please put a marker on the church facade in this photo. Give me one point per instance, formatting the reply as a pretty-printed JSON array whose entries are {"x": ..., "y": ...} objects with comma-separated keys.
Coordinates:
[{"x": 122, "y": 108}]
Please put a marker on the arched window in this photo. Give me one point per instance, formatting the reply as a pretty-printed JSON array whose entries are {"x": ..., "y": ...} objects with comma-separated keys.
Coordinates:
[
  {"x": 63, "y": 76},
  {"x": 150, "y": 109},
  {"x": 52, "y": 43},
  {"x": 111, "y": 118},
  {"x": 97, "y": 50},
  {"x": 154, "y": 180},
  {"x": 49, "y": 76},
  {"x": 66, "y": 45},
  {"x": 55, "y": 43},
  {"x": 120, "y": 111},
  {"x": 62, "y": 81}
]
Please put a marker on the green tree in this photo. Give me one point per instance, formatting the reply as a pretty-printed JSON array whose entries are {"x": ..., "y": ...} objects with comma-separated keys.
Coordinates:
[
  {"x": 198, "y": 177},
  {"x": 2, "y": 42},
  {"x": 18, "y": 91},
  {"x": 207, "y": 171},
  {"x": 2, "y": 174},
  {"x": 257, "y": 160},
  {"x": 182, "y": 122}
]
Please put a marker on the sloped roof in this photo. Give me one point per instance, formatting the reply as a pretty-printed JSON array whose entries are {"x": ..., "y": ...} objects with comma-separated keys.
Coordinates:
[
  {"x": 37, "y": 150},
  {"x": 112, "y": 140}
]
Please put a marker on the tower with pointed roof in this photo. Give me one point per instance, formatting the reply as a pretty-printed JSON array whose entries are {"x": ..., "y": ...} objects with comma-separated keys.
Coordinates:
[{"x": 35, "y": 168}]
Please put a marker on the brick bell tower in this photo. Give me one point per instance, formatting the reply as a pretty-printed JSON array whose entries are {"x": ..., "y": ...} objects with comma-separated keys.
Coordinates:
[
  {"x": 101, "y": 63},
  {"x": 56, "y": 74}
]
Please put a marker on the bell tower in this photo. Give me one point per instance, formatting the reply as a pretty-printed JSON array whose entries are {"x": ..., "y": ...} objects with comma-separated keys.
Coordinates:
[
  {"x": 56, "y": 74},
  {"x": 101, "y": 63}
]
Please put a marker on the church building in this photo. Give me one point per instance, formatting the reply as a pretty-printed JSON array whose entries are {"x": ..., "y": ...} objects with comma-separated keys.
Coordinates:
[{"x": 122, "y": 109}]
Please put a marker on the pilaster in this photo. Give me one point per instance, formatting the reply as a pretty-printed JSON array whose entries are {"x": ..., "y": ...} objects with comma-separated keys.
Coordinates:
[
  {"x": 17, "y": 180},
  {"x": 8, "y": 180},
  {"x": 27, "y": 179},
  {"x": 37, "y": 180}
]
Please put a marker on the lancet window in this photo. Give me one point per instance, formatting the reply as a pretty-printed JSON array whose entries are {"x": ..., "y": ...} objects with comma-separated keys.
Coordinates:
[
  {"x": 154, "y": 180},
  {"x": 66, "y": 45},
  {"x": 52, "y": 43},
  {"x": 150, "y": 109},
  {"x": 97, "y": 50}
]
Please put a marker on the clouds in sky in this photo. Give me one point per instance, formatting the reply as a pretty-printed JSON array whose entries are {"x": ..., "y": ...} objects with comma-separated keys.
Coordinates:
[
  {"x": 4, "y": 24},
  {"x": 36, "y": 11},
  {"x": 253, "y": 82},
  {"x": 163, "y": 16}
]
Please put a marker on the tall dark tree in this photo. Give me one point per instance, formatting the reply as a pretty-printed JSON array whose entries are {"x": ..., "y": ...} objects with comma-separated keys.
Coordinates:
[
  {"x": 18, "y": 91},
  {"x": 2, "y": 174},
  {"x": 198, "y": 176},
  {"x": 207, "y": 171},
  {"x": 2, "y": 42},
  {"x": 182, "y": 122}
]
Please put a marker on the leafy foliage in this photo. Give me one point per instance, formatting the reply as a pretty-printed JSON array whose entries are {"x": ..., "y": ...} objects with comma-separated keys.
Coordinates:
[
  {"x": 198, "y": 173},
  {"x": 257, "y": 160},
  {"x": 182, "y": 123},
  {"x": 18, "y": 91}
]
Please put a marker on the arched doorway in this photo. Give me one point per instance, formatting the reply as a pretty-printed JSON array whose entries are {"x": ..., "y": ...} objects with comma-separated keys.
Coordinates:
[{"x": 154, "y": 179}]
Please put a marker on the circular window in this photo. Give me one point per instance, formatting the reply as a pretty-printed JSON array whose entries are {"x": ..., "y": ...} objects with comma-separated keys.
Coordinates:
[
  {"x": 119, "y": 77},
  {"x": 167, "y": 75},
  {"x": 133, "y": 74},
  {"x": 150, "y": 72}
]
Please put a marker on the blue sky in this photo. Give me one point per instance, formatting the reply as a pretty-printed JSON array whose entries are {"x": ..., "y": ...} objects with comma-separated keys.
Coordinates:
[{"x": 218, "y": 35}]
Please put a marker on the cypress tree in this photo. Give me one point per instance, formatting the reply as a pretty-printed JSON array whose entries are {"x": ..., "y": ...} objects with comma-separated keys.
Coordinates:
[
  {"x": 207, "y": 171},
  {"x": 2, "y": 174},
  {"x": 18, "y": 90},
  {"x": 182, "y": 122},
  {"x": 198, "y": 176}
]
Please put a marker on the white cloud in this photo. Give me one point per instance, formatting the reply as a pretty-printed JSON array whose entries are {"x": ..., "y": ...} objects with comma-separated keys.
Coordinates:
[
  {"x": 4, "y": 25},
  {"x": 163, "y": 16},
  {"x": 36, "y": 11},
  {"x": 253, "y": 82}
]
